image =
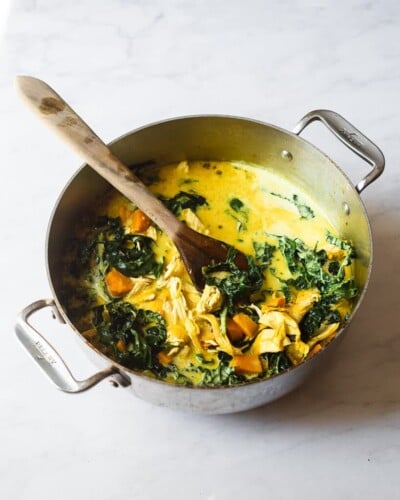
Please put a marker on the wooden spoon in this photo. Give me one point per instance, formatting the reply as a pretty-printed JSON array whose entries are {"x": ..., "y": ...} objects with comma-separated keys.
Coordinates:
[{"x": 196, "y": 250}]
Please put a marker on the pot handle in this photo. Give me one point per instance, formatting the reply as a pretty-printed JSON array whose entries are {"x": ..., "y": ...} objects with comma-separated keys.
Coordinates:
[
  {"x": 51, "y": 362},
  {"x": 352, "y": 138}
]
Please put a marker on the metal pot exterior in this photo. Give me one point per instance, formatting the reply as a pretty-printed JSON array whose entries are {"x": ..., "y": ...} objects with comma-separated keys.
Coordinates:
[{"x": 215, "y": 138}]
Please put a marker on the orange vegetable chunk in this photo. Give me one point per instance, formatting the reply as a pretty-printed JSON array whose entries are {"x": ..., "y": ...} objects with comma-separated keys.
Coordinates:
[
  {"x": 247, "y": 364},
  {"x": 164, "y": 359},
  {"x": 117, "y": 283},
  {"x": 233, "y": 330},
  {"x": 139, "y": 221},
  {"x": 121, "y": 345},
  {"x": 248, "y": 326},
  {"x": 315, "y": 349}
]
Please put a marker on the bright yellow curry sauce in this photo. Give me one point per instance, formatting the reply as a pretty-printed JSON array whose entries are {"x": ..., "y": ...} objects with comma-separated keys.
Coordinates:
[{"x": 152, "y": 319}]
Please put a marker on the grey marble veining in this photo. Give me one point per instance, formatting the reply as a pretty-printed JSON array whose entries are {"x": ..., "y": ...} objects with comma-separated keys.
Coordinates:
[{"x": 123, "y": 64}]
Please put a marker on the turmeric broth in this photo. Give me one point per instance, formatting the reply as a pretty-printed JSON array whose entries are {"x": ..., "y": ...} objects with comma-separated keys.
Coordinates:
[{"x": 126, "y": 288}]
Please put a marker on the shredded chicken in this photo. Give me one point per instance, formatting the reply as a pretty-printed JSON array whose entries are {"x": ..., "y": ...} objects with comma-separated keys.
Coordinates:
[
  {"x": 327, "y": 333},
  {"x": 209, "y": 323},
  {"x": 193, "y": 221},
  {"x": 211, "y": 300},
  {"x": 304, "y": 301}
]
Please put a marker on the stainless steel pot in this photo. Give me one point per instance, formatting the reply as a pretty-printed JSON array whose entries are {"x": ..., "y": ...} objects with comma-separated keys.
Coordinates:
[{"x": 211, "y": 138}]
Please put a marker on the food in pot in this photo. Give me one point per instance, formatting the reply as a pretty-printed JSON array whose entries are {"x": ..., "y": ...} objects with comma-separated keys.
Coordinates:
[{"x": 127, "y": 291}]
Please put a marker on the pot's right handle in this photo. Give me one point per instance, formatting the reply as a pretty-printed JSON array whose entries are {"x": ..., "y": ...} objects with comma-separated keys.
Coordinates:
[
  {"x": 352, "y": 138},
  {"x": 51, "y": 362}
]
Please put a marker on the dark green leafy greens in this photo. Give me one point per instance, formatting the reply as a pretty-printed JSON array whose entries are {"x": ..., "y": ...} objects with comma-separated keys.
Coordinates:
[
  {"x": 106, "y": 245},
  {"x": 237, "y": 205},
  {"x": 109, "y": 246},
  {"x": 132, "y": 255},
  {"x": 321, "y": 312},
  {"x": 236, "y": 284},
  {"x": 142, "y": 332},
  {"x": 344, "y": 245},
  {"x": 312, "y": 268},
  {"x": 263, "y": 253},
  {"x": 277, "y": 362},
  {"x": 184, "y": 200},
  {"x": 304, "y": 210},
  {"x": 223, "y": 374},
  {"x": 239, "y": 212}
]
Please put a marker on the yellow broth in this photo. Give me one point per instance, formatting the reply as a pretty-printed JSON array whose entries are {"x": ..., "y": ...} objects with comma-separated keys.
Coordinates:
[{"x": 304, "y": 298}]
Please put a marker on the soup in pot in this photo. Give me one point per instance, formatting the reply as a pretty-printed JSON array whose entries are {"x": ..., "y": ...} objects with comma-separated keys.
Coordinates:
[{"x": 127, "y": 291}]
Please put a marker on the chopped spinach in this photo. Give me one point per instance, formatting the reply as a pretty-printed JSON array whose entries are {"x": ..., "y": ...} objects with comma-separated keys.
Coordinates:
[
  {"x": 308, "y": 269},
  {"x": 183, "y": 200},
  {"x": 172, "y": 371},
  {"x": 285, "y": 289},
  {"x": 236, "y": 284},
  {"x": 311, "y": 268},
  {"x": 334, "y": 267},
  {"x": 263, "y": 252},
  {"x": 142, "y": 332},
  {"x": 320, "y": 313},
  {"x": 344, "y": 245},
  {"x": 236, "y": 205},
  {"x": 132, "y": 255},
  {"x": 304, "y": 210},
  {"x": 223, "y": 374},
  {"x": 277, "y": 362},
  {"x": 109, "y": 246},
  {"x": 240, "y": 213}
]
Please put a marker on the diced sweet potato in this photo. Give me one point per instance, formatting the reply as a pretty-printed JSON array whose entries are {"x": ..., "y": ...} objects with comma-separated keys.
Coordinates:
[
  {"x": 315, "y": 349},
  {"x": 121, "y": 345},
  {"x": 278, "y": 301},
  {"x": 163, "y": 358},
  {"x": 247, "y": 325},
  {"x": 139, "y": 222},
  {"x": 233, "y": 330},
  {"x": 117, "y": 283},
  {"x": 247, "y": 364}
]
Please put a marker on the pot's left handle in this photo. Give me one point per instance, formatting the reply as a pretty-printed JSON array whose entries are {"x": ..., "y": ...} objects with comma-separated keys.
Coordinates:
[{"x": 51, "y": 362}]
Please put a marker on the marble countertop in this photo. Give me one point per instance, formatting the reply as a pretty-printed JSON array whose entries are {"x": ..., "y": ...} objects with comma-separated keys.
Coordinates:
[{"x": 123, "y": 64}]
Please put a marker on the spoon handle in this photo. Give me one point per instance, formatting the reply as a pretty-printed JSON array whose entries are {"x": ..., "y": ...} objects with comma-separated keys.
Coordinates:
[{"x": 61, "y": 118}]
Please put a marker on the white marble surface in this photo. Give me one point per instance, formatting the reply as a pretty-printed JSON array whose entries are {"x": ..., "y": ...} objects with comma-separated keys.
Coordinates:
[{"x": 125, "y": 63}]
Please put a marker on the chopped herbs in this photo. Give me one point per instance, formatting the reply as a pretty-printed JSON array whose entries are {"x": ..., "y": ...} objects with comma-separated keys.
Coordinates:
[
  {"x": 236, "y": 284},
  {"x": 184, "y": 200},
  {"x": 135, "y": 336},
  {"x": 239, "y": 212},
  {"x": 310, "y": 268},
  {"x": 109, "y": 246},
  {"x": 320, "y": 313},
  {"x": 223, "y": 374},
  {"x": 237, "y": 205},
  {"x": 304, "y": 210},
  {"x": 277, "y": 362},
  {"x": 264, "y": 252}
]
